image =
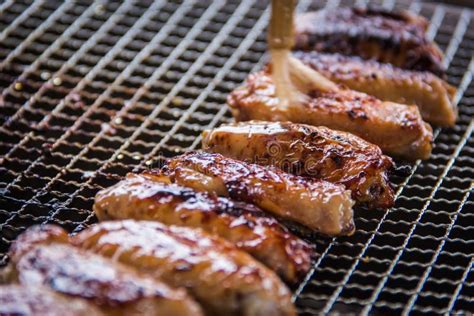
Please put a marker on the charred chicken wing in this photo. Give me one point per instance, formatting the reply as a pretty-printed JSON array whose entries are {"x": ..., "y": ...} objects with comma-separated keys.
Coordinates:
[
  {"x": 319, "y": 152},
  {"x": 397, "y": 129},
  {"x": 317, "y": 204},
  {"x": 115, "y": 288},
  {"x": 148, "y": 197},
  {"x": 225, "y": 280},
  {"x": 391, "y": 37},
  {"x": 432, "y": 95}
]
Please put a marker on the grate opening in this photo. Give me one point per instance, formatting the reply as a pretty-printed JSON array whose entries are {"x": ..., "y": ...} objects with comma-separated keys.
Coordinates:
[{"x": 92, "y": 91}]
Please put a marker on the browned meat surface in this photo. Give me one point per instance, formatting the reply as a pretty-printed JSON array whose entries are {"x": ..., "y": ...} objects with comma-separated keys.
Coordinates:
[
  {"x": 148, "y": 197},
  {"x": 115, "y": 288},
  {"x": 317, "y": 204},
  {"x": 397, "y": 129},
  {"x": 37, "y": 301},
  {"x": 391, "y": 37},
  {"x": 319, "y": 152},
  {"x": 225, "y": 280},
  {"x": 432, "y": 95}
]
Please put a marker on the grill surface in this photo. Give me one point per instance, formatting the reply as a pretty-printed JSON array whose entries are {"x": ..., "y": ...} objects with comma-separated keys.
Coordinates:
[{"x": 90, "y": 91}]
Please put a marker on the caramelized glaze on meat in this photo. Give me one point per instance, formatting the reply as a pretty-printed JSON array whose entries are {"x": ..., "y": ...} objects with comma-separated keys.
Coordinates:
[
  {"x": 225, "y": 280},
  {"x": 397, "y": 129},
  {"x": 392, "y": 37},
  {"x": 432, "y": 95},
  {"x": 317, "y": 204},
  {"x": 148, "y": 197},
  {"x": 38, "y": 301},
  {"x": 116, "y": 289},
  {"x": 319, "y": 152}
]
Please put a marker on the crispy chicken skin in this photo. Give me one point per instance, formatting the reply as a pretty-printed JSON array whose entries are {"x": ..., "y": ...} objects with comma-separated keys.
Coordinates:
[
  {"x": 319, "y": 152},
  {"x": 391, "y": 37},
  {"x": 397, "y": 129},
  {"x": 148, "y": 197},
  {"x": 225, "y": 280},
  {"x": 432, "y": 95},
  {"x": 38, "y": 301},
  {"x": 115, "y": 288},
  {"x": 317, "y": 204}
]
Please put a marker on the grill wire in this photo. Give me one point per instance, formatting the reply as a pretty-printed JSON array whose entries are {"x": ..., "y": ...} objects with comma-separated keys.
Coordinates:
[{"x": 93, "y": 90}]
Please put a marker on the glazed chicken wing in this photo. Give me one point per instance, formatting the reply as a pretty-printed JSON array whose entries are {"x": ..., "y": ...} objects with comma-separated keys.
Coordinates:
[
  {"x": 397, "y": 129},
  {"x": 115, "y": 288},
  {"x": 225, "y": 280},
  {"x": 149, "y": 197},
  {"x": 38, "y": 301},
  {"x": 319, "y": 152},
  {"x": 317, "y": 204},
  {"x": 432, "y": 95},
  {"x": 391, "y": 37}
]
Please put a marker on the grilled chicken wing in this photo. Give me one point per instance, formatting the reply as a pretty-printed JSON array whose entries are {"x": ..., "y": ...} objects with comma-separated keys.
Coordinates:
[
  {"x": 319, "y": 152},
  {"x": 37, "y": 301},
  {"x": 148, "y": 197},
  {"x": 433, "y": 96},
  {"x": 397, "y": 38},
  {"x": 397, "y": 129},
  {"x": 115, "y": 288},
  {"x": 226, "y": 281},
  {"x": 317, "y": 204}
]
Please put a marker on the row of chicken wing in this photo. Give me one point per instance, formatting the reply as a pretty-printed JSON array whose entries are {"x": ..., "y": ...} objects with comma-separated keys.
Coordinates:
[
  {"x": 204, "y": 233},
  {"x": 207, "y": 233}
]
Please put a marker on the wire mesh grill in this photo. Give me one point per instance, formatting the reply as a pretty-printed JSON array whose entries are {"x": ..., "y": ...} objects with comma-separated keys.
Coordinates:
[{"x": 93, "y": 90}]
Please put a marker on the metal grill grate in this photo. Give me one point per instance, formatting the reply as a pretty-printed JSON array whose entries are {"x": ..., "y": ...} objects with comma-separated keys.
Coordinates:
[{"x": 90, "y": 91}]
